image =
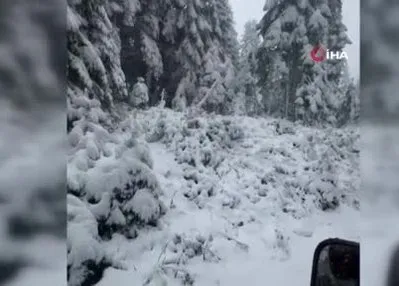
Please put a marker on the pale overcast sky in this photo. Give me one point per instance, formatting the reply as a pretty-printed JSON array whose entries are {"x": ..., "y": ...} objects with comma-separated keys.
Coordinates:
[{"x": 245, "y": 10}]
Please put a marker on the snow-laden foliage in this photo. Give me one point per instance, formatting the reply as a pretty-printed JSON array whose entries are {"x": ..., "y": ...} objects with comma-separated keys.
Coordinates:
[
  {"x": 138, "y": 96},
  {"x": 86, "y": 257},
  {"x": 306, "y": 164},
  {"x": 248, "y": 94},
  {"x": 94, "y": 66},
  {"x": 292, "y": 85},
  {"x": 110, "y": 175},
  {"x": 111, "y": 186},
  {"x": 231, "y": 186},
  {"x": 173, "y": 44},
  {"x": 216, "y": 83},
  {"x": 213, "y": 176},
  {"x": 109, "y": 168}
]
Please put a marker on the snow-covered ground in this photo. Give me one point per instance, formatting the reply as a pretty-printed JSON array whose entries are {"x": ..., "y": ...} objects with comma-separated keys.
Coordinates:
[
  {"x": 247, "y": 201},
  {"x": 244, "y": 200}
]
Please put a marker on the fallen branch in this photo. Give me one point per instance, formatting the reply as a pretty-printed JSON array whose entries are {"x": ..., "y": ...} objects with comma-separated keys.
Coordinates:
[
  {"x": 240, "y": 244},
  {"x": 208, "y": 94},
  {"x": 194, "y": 110}
]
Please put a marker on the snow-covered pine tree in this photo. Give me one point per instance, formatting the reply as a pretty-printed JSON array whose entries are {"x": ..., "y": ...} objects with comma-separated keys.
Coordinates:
[
  {"x": 332, "y": 76},
  {"x": 250, "y": 41},
  {"x": 170, "y": 43},
  {"x": 211, "y": 82},
  {"x": 338, "y": 73},
  {"x": 225, "y": 30},
  {"x": 246, "y": 76},
  {"x": 230, "y": 55},
  {"x": 220, "y": 61},
  {"x": 191, "y": 40},
  {"x": 197, "y": 40},
  {"x": 141, "y": 56},
  {"x": 94, "y": 71},
  {"x": 312, "y": 92},
  {"x": 313, "y": 89},
  {"x": 337, "y": 40},
  {"x": 327, "y": 81},
  {"x": 284, "y": 33}
]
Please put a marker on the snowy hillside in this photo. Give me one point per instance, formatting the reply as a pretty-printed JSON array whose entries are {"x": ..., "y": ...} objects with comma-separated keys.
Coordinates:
[
  {"x": 220, "y": 201},
  {"x": 158, "y": 197}
]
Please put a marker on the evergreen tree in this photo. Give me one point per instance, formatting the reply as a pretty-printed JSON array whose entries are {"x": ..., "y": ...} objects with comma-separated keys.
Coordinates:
[
  {"x": 212, "y": 82},
  {"x": 182, "y": 46},
  {"x": 283, "y": 29},
  {"x": 141, "y": 56},
  {"x": 324, "y": 92},
  {"x": 94, "y": 69},
  {"x": 200, "y": 50},
  {"x": 225, "y": 31},
  {"x": 293, "y": 86},
  {"x": 188, "y": 38},
  {"x": 228, "y": 54},
  {"x": 246, "y": 77}
]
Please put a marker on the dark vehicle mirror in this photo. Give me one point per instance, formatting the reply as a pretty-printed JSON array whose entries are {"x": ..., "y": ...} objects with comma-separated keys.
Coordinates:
[
  {"x": 336, "y": 262},
  {"x": 393, "y": 271}
]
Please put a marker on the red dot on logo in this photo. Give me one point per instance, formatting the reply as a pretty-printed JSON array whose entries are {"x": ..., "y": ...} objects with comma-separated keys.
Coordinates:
[{"x": 318, "y": 54}]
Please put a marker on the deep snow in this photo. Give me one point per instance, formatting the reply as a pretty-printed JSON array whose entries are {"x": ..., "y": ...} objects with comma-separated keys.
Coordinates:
[{"x": 244, "y": 232}]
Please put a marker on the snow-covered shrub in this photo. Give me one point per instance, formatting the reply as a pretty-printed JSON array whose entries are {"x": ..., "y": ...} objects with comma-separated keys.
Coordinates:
[
  {"x": 87, "y": 259},
  {"x": 224, "y": 132},
  {"x": 159, "y": 124},
  {"x": 184, "y": 247},
  {"x": 111, "y": 180},
  {"x": 197, "y": 144},
  {"x": 275, "y": 171},
  {"x": 304, "y": 169},
  {"x": 175, "y": 256},
  {"x": 138, "y": 97},
  {"x": 122, "y": 170}
]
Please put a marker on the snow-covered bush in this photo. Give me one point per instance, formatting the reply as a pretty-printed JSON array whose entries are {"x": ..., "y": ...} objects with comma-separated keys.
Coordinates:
[
  {"x": 305, "y": 165},
  {"x": 112, "y": 189},
  {"x": 160, "y": 125},
  {"x": 105, "y": 163},
  {"x": 236, "y": 173},
  {"x": 187, "y": 246},
  {"x": 87, "y": 259},
  {"x": 138, "y": 97},
  {"x": 176, "y": 255},
  {"x": 224, "y": 132}
]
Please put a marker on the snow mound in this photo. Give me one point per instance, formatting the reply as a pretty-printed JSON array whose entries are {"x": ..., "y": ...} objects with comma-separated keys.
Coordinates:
[{"x": 111, "y": 190}]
